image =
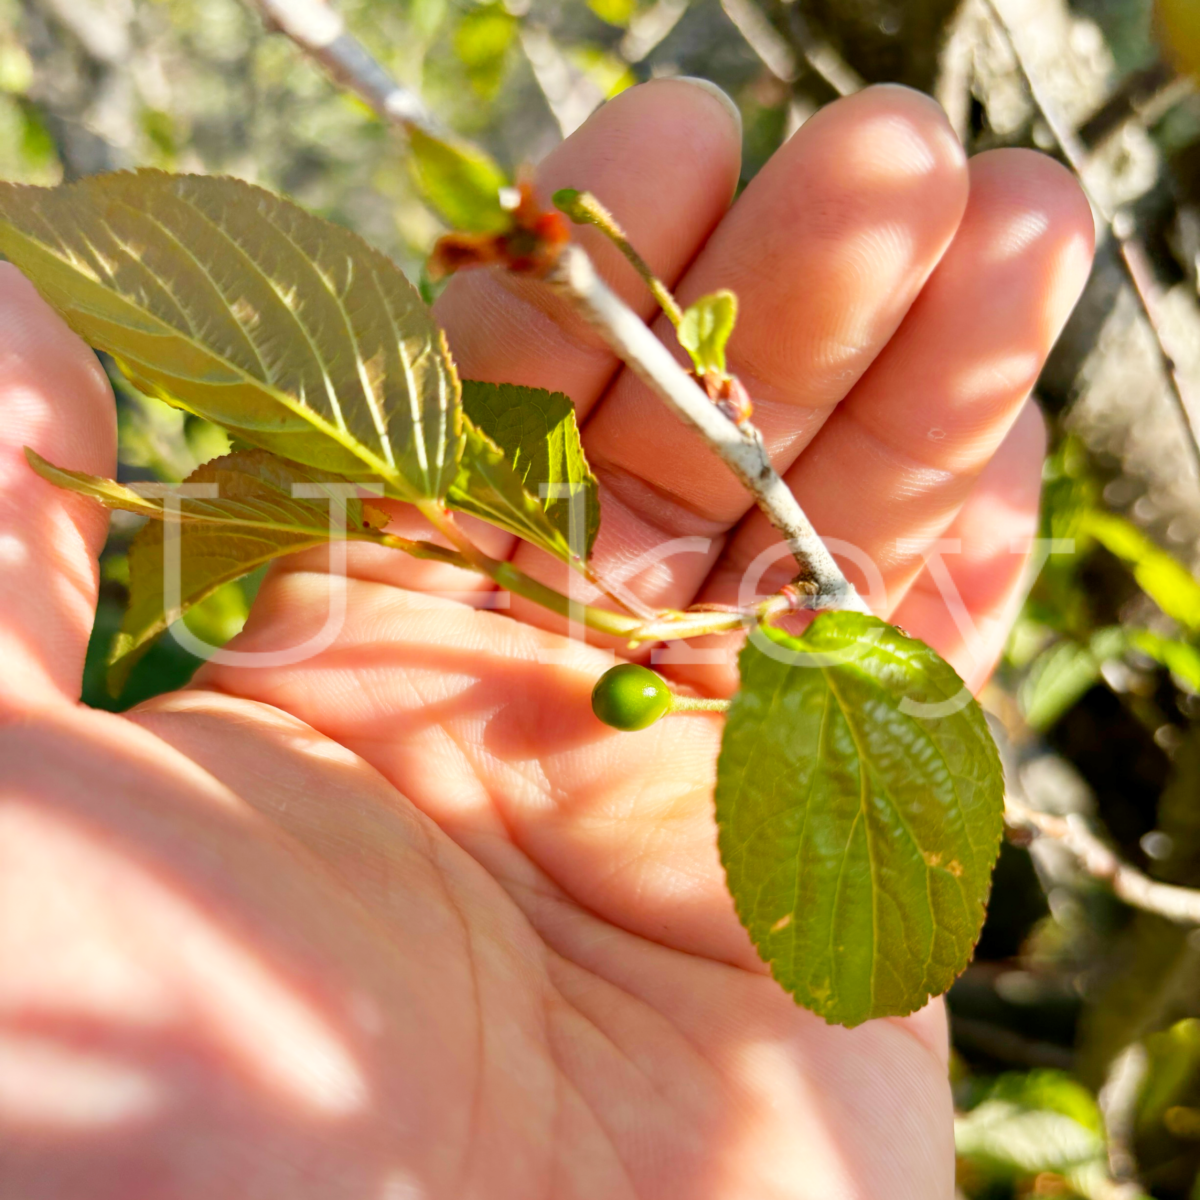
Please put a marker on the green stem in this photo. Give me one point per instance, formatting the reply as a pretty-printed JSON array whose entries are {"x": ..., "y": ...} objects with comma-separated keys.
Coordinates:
[
  {"x": 667, "y": 626},
  {"x": 468, "y": 555},
  {"x": 671, "y": 626},
  {"x": 599, "y": 619},
  {"x": 584, "y": 209},
  {"x": 689, "y": 704},
  {"x": 427, "y": 550}
]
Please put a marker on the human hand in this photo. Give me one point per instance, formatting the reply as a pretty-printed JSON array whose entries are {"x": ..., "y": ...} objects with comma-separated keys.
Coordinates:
[{"x": 404, "y": 920}]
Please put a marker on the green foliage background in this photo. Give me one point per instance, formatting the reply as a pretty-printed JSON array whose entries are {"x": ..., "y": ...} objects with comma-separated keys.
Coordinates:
[{"x": 1077, "y": 1029}]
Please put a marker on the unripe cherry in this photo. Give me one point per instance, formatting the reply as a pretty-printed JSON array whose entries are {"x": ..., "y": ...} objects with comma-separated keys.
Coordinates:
[{"x": 630, "y": 697}]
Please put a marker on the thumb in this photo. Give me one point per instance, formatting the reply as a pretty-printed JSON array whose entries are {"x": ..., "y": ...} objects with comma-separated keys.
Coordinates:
[{"x": 55, "y": 398}]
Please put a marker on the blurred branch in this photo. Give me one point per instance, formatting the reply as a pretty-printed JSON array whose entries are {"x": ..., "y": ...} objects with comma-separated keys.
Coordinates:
[
  {"x": 1119, "y": 226},
  {"x": 569, "y": 94},
  {"x": 83, "y": 89},
  {"x": 1007, "y": 1046},
  {"x": 779, "y": 53},
  {"x": 820, "y": 54},
  {"x": 1178, "y": 904},
  {"x": 321, "y": 34},
  {"x": 649, "y": 27},
  {"x": 1142, "y": 96},
  {"x": 1118, "y": 1100},
  {"x": 762, "y": 37}
]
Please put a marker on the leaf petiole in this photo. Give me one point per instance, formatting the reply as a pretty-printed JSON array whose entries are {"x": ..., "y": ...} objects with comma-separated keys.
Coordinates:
[
  {"x": 516, "y": 581},
  {"x": 584, "y": 209}
]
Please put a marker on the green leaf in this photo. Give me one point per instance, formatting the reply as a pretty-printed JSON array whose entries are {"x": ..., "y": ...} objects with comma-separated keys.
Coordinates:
[
  {"x": 1035, "y": 1123},
  {"x": 705, "y": 330},
  {"x": 460, "y": 181},
  {"x": 1181, "y": 658},
  {"x": 110, "y": 493},
  {"x": 1063, "y": 673},
  {"x": 253, "y": 519},
  {"x": 1043, "y": 1121},
  {"x": 536, "y": 430},
  {"x": 609, "y": 72},
  {"x": 225, "y": 300},
  {"x": 482, "y": 41},
  {"x": 1167, "y": 582},
  {"x": 858, "y": 830},
  {"x": 1173, "y": 1061},
  {"x": 489, "y": 488},
  {"x": 614, "y": 12}
]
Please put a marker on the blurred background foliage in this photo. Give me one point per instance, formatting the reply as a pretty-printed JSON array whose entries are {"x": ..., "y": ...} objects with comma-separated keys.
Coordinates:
[{"x": 1077, "y": 1028}]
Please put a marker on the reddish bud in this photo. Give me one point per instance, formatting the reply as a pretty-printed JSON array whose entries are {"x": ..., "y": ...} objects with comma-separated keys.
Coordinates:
[
  {"x": 730, "y": 396},
  {"x": 530, "y": 245}
]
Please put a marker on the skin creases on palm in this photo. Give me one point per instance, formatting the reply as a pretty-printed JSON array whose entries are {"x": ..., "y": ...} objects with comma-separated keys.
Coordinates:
[{"x": 403, "y": 919}]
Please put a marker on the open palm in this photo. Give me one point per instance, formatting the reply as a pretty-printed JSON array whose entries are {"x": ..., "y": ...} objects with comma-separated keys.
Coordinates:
[{"x": 404, "y": 920}]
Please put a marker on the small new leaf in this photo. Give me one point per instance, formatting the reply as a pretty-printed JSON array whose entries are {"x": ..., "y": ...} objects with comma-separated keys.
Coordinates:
[
  {"x": 227, "y": 301},
  {"x": 705, "y": 330},
  {"x": 537, "y": 432},
  {"x": 1059, "y": 677},
  {"x": 858, "y": 830},
  {"x": 460, "y": 182}
]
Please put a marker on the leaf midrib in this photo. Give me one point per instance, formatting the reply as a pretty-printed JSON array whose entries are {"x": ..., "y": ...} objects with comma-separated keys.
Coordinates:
[{"x": 862, "y": 813}]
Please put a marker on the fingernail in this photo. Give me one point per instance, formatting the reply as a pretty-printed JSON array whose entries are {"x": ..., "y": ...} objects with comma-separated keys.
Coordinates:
[{"x": 717, "y": 93}]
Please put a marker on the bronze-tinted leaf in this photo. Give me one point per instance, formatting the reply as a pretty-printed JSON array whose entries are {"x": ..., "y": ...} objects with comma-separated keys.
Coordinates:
[{"x": 230, "y": 302}]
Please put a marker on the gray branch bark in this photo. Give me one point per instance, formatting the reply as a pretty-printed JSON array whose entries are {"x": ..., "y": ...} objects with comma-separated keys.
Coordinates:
[
  {"x": 740, "y": 447},
  {"x": 320, "y": 32},
  {"x": 1178, "y": 904}
]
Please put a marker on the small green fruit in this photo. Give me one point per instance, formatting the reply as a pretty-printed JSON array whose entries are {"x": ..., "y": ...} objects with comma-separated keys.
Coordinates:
[{"x": 630, "y": 697}]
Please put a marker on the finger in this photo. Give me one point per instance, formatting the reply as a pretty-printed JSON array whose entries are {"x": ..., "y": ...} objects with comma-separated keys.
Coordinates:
[
  {"x": 964, "y": 604},
  {"x": 826, "y": 250},
  {"x": 55, "y": 398},
  {"x": 890, "y": 470}
]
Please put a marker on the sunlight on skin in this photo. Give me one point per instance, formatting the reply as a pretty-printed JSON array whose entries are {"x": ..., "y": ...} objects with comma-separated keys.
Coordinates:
[
  {"x": 990, "y": 579},
  {"x": 13, "y": 554},
  {"x": 47, "y": 1086},
  {"x": 761, "y": 1068},
  {"x": 400, "y": 1185},
  {"x": 255, "y": 1018},
  {"x": 1000, "y": 376},
  {"x": 892, "y": 147},
  {"x": 885, "y": 259},
  {"x": 1018, "y": 236}
]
